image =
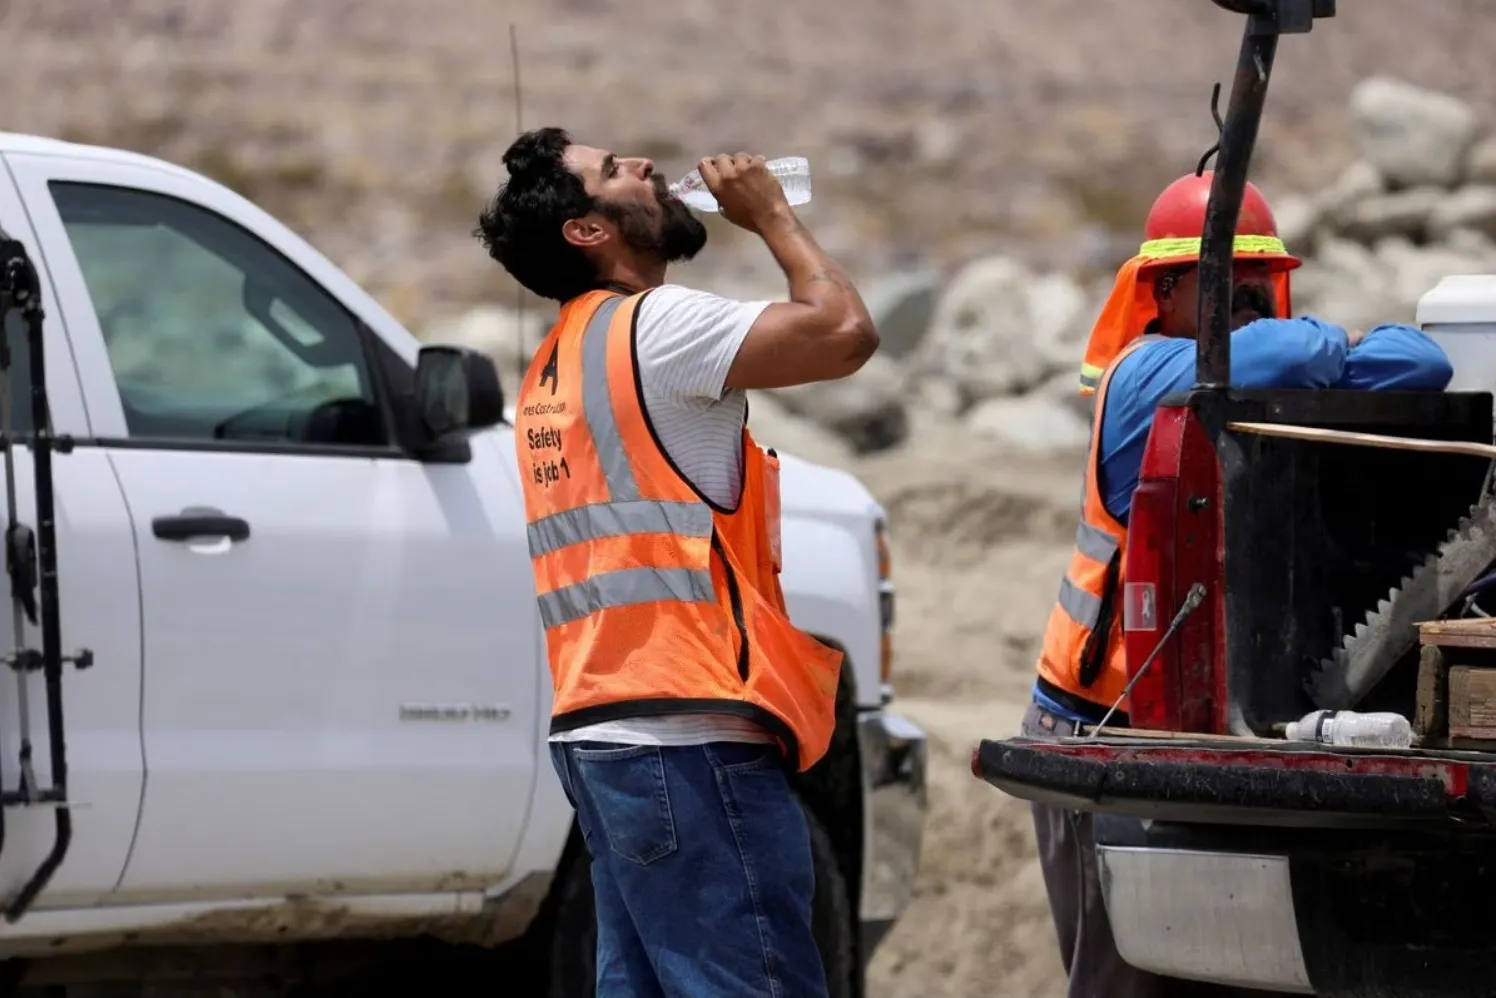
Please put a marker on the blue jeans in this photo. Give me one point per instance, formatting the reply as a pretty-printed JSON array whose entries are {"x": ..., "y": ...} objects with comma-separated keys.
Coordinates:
[{"x": 701, "y": 869}]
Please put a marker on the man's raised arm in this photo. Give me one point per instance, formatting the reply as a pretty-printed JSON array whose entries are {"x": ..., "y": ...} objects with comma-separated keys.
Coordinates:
[{"x": 824, "y": 331}]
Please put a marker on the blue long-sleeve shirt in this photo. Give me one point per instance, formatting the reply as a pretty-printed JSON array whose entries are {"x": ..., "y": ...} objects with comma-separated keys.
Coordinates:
[{"x": 1268, "y": 353}]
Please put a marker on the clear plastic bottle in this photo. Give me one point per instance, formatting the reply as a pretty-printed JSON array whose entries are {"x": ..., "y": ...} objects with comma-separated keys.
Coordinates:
[
  {"x": 1349, "y": 728},
  {"x": 792, "y": 172}
]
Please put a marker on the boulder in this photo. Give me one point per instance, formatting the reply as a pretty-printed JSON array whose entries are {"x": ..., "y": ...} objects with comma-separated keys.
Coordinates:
[
  {"x": 1412, "y": 271},
  {"x": 1063, "y": 316},
  {"x": 1473, "y": 244},
  {"x": 775, "y": 426},
  {"x": 1064, "y": 388},
  {"x": 1401, "y": 213},
  {"x": 1472, "y": 208},
  {"x": 1358, "y": 182},
  {"x": 1480, "y": 165},
  {"x": 1344, "y": 283},
  {"x": 867, "y": 410},
  {"x": 1037, "y": 423},
  {"x": 902, "y": 306},
  {"x": 1414, "y": 136},
  {"x": 999, "y": 329},
  {"x": 1299, "y": 221}
]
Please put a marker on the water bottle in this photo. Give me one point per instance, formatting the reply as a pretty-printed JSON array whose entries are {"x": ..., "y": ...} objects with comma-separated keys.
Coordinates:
[
  {"x": 1347, "y": 727},
  {"x": 792, "y": 172}
]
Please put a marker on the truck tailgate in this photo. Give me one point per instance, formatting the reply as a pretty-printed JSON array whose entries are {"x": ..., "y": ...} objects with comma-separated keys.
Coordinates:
[{"x": 1244, "y": 780}]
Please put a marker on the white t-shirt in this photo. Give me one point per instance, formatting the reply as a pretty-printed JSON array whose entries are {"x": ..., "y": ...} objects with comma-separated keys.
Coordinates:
[{"x": 686, "y": 343}]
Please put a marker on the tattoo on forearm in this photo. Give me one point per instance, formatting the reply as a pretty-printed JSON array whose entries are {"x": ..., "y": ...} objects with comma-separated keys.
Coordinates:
[{"x": 833, "y": 276}]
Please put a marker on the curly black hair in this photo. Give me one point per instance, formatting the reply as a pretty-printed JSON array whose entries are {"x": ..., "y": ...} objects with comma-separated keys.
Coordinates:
[{"x": 521, "y": 226}]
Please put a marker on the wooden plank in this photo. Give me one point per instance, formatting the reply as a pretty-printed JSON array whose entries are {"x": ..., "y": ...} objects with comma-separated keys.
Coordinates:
[
  {"x": 1472, "y": 703},
  {"x": 1318, "y": 434},
  {"x": 1430, "y": 719},
  {"x": 1468, "y": 632}
]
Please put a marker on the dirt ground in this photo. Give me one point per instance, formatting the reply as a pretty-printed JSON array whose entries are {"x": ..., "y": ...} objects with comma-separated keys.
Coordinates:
[{"x": 980, "y": 540}]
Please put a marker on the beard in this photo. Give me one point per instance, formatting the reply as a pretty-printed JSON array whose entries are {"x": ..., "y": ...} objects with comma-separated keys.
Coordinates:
[
  {"x": 1250, "y": 302},
  {"x": 672, "y": 234}
]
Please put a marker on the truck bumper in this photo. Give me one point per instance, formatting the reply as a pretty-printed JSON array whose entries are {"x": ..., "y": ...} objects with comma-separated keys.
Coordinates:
[
  {"x": 1302, "y": 911},
  {"x": 1226, "y": 918},
  {"x": 893, "y": 753}
]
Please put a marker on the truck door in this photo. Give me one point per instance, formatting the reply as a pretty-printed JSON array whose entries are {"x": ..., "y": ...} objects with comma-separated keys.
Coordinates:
[
  {"x": 100, "y": 609},
  {"x": 336, "y": 693}
]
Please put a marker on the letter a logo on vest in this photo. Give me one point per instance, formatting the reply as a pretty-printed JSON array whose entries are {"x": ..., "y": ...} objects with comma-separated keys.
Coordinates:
[{"x": 548, "y": 373}]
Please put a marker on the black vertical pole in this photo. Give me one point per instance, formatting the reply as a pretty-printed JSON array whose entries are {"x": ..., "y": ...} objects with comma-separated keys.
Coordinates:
[
  {"x": 1266, "y": 20},
  {"x": 1254, "y": 66}
]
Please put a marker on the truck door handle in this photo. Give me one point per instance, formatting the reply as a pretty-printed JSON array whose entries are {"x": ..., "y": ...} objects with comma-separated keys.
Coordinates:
[{"x": 195, "y": 523}]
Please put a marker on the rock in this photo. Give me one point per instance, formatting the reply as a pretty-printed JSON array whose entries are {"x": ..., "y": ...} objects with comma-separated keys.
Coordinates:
[
  {"x": 937, "y": 142},
  {"x": 1472, "y": 207},
  {"x": 1033, "y": 422},
  {"x": 1480, "y": 165},
  {"x": 1412, "y": 272},
  {"x": 1062, "y": 318},
  {"x": 866, "y": 410},
  {"x": 1412, "y": 135},
  {"x": 1401, "y": 213},
  {"x": 1360, "y": 181},
  {"x": 902, "y": 307},
  {"x": 1064, "y": 388},
  {"x": 1344, "y": 257},
  {"x": 775, "y": 426},
  {"x": 1299, "y": 219},
  {"x": 997, "y": 329},
  {"x": 936, "y": 395},
  {"x": 1344, "y": 283},
  {"x": 1473, "y": 244}
]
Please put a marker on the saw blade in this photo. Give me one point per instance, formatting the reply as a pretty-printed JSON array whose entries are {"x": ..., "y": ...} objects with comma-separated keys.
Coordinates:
[{"x": 1370, "y": 651}]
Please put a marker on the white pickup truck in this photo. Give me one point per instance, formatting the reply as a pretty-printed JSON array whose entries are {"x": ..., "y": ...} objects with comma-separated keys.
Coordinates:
[{"x": 309, "y": 749}]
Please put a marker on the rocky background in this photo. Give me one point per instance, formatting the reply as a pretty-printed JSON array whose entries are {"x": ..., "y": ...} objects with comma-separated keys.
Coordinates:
[
  {"x": 996, "y": 343},
  {"x": 980, "y": 168}
]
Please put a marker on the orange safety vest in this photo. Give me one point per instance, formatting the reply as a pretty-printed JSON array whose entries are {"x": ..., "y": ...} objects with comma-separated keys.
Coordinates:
[
  {"x": 654, "y": 601},
  {"x": 1083, "y": 654}
]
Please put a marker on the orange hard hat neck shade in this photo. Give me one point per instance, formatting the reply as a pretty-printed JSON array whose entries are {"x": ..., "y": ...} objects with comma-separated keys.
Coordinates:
[{"x": 1172, "y": 239}]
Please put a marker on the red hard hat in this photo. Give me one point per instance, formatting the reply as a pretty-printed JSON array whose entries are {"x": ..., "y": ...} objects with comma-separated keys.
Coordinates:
[{"x": 1176, "y": 223}]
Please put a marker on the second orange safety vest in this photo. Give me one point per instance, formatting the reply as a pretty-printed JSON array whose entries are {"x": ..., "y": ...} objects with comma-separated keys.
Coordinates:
[
  {"x": 654, "y": 600},
  {"x": 1083, "y": 654}
]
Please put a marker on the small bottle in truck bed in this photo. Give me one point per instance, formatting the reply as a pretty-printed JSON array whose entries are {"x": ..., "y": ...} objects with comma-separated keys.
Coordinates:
[{"x": 1383, "y": 729}]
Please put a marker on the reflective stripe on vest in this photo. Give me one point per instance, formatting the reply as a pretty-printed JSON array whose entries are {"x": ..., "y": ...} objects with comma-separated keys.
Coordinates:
[
  {"x": 1071, "y": 649},
  {"x": 625, "y": 514},
  {"x": 1092, "y": 541}
]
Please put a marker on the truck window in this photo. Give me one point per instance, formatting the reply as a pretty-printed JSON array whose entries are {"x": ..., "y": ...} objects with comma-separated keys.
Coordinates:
[{"x": 212, "y": 334}]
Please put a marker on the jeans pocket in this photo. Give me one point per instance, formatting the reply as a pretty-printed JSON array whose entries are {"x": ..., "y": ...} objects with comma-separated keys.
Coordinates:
[
  {"x": 745, "y": 757},
  {"x": 627, "y": 788}
]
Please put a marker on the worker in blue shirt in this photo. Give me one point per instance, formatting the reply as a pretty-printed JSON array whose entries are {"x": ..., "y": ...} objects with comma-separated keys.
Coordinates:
[
  {"x": 1142, "y": 349},
  {"x": 1267, "y": 352}
]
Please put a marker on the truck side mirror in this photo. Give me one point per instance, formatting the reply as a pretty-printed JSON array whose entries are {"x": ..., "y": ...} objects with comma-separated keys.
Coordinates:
[{"x": 457, "y": 391}]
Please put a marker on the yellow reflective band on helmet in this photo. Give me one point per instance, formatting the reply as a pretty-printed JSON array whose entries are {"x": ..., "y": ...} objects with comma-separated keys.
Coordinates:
[{"x": 1163, "y": 249}]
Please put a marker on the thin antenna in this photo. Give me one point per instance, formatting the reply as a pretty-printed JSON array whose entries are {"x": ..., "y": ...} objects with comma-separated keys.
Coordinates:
[{"x": 519, "y": 128}]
